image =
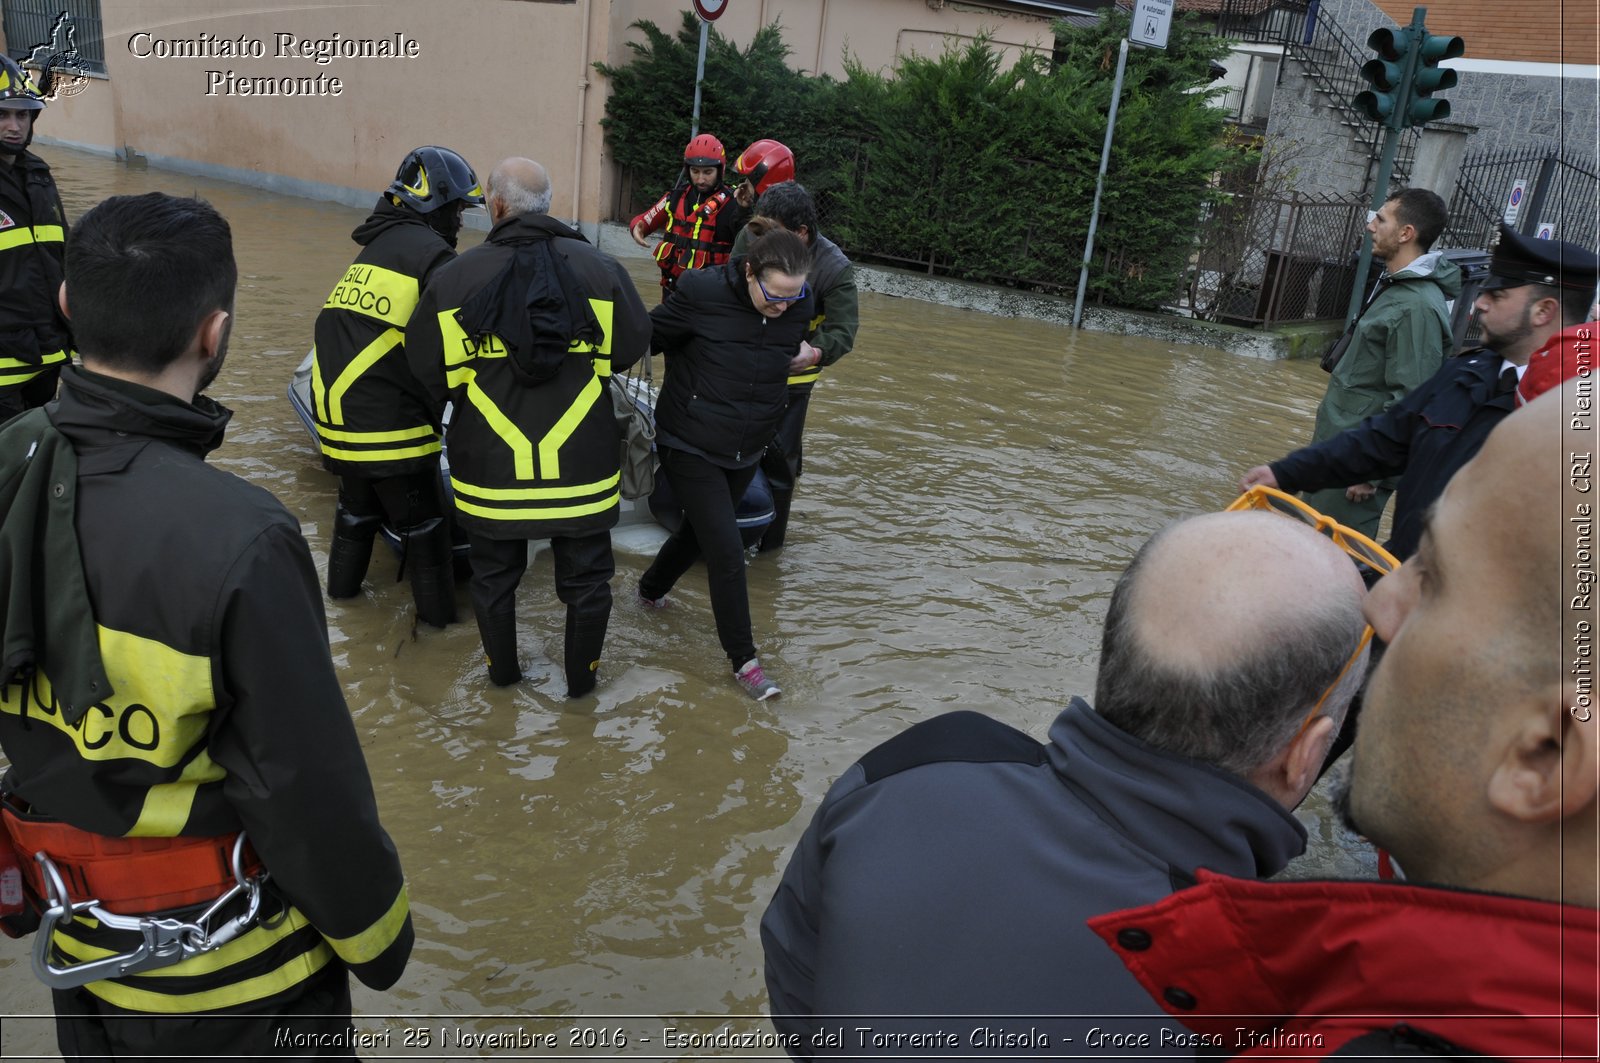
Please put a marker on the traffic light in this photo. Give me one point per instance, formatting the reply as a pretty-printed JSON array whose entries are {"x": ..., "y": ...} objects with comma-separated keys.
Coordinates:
[
  {"x": 1430, "y": 78},
  {"x": 1384, "y": 103}
]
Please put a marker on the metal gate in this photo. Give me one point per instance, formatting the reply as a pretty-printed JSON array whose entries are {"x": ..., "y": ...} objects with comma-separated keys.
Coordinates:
[{"x": 1556, "y": 189}]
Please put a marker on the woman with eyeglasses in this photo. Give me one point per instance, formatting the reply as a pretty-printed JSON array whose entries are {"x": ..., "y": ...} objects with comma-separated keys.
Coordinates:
[{"x": 730, "y": 334}]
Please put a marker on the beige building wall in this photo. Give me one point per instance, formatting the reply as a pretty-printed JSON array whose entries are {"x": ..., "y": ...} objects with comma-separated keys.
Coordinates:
[{"x": 489, "y": 78}]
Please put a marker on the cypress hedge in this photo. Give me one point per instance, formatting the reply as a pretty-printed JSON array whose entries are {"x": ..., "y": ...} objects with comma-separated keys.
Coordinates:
[{"x": 960, "y": 164}]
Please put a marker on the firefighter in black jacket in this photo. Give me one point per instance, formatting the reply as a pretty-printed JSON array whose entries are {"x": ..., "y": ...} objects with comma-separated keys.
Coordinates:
[
  {"x": 521, "y": 333},
  {"x": 34, "y": 340},
  {"x": 184, "y": 692},
  {"x": 373, "y": 420}
]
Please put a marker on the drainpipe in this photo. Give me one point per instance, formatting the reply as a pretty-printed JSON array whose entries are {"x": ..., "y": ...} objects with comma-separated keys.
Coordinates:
[
  {"x": 822, "y": 33},
  {"x": 583, "y": 99}
]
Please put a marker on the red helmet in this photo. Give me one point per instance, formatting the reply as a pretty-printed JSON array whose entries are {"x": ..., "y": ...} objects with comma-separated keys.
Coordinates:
[
  {"x": 766, "y": 163},
  {"x": 705, "y": 150}
]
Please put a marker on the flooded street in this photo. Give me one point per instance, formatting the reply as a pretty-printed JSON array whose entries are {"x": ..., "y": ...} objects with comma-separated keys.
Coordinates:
[{"x": 973, "y": 487}]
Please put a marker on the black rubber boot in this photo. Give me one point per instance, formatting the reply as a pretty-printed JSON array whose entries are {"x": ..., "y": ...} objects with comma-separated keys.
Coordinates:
[
  {"x": 772, "y": 538},
  {"x": 432, "y": 575},
  {"x": 586, "y": 637},
  {"x": 350, "y": 552},
  {"x": 499, "y": 635}
]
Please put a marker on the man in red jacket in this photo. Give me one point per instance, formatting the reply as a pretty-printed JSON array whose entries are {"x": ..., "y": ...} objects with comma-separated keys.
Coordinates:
[{"x": 1477, "y": 766}]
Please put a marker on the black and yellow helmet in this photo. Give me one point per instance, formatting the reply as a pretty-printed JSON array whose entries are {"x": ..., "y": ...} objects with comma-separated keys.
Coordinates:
[
  {"x": 16, "y": 91},
  {"x": 432, "y": 177}
]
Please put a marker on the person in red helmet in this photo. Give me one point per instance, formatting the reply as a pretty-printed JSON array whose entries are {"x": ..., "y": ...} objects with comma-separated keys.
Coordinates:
[
  {"x": 760, "y": 166},
  {"x": 699, "y": 215}
]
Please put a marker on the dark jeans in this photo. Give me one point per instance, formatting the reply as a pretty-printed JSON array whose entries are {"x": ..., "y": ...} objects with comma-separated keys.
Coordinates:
[
  {"x": 781, "y": 461},
  {"x": 710, "y": 528},
  {"x": 403, "y": 501},
  {"x": 583, "y": 571},
  {"x": 315, "y": 1015}
]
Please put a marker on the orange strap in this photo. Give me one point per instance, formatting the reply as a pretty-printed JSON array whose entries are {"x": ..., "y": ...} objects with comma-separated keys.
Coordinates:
[{"x": 129, "y": 876}]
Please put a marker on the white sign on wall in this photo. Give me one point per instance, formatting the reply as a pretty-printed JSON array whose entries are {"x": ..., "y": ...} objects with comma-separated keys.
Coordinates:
[
  {"x": 1519, "y": 192},
  {"x": 1545, "y": 231}
]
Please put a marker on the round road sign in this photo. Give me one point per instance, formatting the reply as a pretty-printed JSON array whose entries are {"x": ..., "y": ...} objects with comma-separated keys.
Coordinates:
[{"x": 710, "y": 9}]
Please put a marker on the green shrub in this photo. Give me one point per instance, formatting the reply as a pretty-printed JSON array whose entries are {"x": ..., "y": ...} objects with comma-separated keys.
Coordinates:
[{"x": 960, "y": 164}]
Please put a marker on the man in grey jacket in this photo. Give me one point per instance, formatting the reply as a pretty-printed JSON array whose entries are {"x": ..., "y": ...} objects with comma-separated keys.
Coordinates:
[
  {"x": 1400, "y": 338},
  {"x": 950, "y": 871}
]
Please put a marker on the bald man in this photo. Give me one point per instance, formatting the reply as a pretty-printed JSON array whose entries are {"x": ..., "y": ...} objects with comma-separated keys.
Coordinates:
[
  {"x": 520, "y": 334},
  {"x": 1477, "y": 765},
  {"x": 950, "y": 871}
]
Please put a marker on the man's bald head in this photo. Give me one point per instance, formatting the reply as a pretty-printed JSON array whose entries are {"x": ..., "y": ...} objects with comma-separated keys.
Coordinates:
[
  {"x": 1223, "y": 634},
  {"x": 518, "y": 186}
]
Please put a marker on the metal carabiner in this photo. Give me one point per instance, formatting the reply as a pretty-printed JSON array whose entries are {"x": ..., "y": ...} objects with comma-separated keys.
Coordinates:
[{"x": 164, "y": 942}]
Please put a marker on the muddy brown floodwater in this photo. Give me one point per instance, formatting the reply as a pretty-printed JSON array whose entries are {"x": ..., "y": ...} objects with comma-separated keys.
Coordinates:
[{"x": 973, "y": 487}]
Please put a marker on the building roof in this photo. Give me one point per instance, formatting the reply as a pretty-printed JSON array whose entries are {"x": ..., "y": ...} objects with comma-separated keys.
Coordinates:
[{"x": 1535, "y": 31}]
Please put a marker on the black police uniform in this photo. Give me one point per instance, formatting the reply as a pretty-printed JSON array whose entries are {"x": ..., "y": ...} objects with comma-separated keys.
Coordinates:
[
  {"x": 1424, "y": 438},
  {"x": 1439, "y": 427},
  {"x": 533, "y": 455}
]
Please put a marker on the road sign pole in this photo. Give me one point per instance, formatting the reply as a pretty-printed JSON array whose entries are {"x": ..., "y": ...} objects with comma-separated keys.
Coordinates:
[
  {"x": 699, "y": 76},
  {"x": 1099, "y": 185},
  {"x": 1380, "y": 194}
]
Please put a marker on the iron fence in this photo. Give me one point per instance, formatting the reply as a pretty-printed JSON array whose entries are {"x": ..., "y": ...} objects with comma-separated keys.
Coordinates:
[
  {"x": 1267, "y": 259},
  {"x": 1558, "y": 189}
]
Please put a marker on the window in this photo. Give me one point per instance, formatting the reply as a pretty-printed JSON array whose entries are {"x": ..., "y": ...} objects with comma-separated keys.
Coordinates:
[{"x": 64, "y": 32}]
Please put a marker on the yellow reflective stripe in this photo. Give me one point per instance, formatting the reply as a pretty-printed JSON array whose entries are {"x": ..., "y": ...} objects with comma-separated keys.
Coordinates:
[
  {"x": 604, "y": 312},
  {"x": 458, "y": 349},
  {"x": 255, "y": 941},
  {"x": 530, "y": 494},
  {"x": 345, "y": 435},
  {"x": 159, "y": 711},
  {"x": 167, "y": 805},
  {"x": 372, "y": 291},
  {"x": 550, "y": 445},
  {"x": 319, "y": 394},
  {"x": 499, "y": 423},
  {"x": 375, "y": 939},
  {"x": 550, "y": 513},
  {"x": 807, "y": 376},
  {"x": 21, "y": 236},
  {"x": 34, "y": 367},
  {"x": 387, "y": 341},
  {"x": 387, "y": 454},
  {"x": 290, "y": 974}
]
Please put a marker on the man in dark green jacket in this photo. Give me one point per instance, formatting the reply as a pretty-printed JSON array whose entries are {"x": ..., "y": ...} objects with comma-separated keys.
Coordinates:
[
  {"x": 220, "y": 711},
  {"x": 1400, "y": 340},
  {"x": 829, "y": 337}
]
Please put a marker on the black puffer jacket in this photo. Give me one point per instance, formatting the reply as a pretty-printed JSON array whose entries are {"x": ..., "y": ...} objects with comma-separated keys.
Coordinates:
[{"x": 727, "y": 378}]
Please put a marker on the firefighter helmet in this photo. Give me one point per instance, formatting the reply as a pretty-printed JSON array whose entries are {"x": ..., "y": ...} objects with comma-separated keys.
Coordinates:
[
  {"x": 705, "y": 150},
  {"x": 765, "y": 163},
  {"x": 16, "y": 91},
  {"x": 431, "y": 177}
]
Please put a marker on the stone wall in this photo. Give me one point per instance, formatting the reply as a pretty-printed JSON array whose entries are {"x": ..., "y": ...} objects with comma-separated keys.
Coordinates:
[{"x": 1510, "y": 112}]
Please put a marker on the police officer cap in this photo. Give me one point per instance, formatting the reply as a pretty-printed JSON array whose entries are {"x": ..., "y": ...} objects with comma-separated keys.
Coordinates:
[{"x": 1520, "y": 260}]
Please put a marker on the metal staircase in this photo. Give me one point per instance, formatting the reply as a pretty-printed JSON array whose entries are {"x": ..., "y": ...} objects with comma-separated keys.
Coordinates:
[{"x": 1331, "y": 63}]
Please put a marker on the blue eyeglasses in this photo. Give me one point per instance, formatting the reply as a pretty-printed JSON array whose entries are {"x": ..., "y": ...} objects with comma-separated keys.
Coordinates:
[{"x": 805, "y": 290}]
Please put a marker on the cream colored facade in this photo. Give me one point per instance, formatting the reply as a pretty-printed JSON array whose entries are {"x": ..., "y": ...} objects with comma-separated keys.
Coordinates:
[{"x": 489, "y": 78}]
